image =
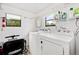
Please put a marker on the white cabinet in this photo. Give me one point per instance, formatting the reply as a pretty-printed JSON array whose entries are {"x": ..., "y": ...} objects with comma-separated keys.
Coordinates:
[
  {"x": 51, "y": 49},
  {"x": 48, "y": 48},
  {"x": 43, "y": 45}
]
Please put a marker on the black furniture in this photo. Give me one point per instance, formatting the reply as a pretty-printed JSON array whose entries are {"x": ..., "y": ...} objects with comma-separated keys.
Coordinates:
[
  {"x": 13, "y": 47},
  {"x": 1, "y": 50}
]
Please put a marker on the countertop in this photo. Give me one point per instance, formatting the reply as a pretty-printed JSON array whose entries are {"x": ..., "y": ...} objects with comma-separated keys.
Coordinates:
[{"x": 58, "y": 36}]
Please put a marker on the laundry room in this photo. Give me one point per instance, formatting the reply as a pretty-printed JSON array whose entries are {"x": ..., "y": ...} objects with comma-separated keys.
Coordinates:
[{"x": 39, "y": 28}]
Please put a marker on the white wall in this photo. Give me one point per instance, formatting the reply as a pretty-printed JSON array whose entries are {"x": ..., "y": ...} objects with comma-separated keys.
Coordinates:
[{"x": 27, "y": 24}]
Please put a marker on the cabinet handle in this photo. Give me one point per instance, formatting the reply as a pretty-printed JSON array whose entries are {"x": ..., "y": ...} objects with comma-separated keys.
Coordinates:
[{"x": 41, "y": 42}]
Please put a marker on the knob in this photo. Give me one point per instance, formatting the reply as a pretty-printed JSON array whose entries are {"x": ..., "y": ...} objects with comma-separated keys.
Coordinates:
[{"x": 41, "y": 42}]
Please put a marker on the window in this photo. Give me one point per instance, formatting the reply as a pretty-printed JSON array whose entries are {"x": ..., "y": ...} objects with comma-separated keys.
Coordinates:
[
  {"x": 13, "y": 20},
  {"x": 50, "y": 21}
]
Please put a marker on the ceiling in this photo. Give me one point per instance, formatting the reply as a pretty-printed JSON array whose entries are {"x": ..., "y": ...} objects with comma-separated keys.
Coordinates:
[{"x": 32, "y": 7}]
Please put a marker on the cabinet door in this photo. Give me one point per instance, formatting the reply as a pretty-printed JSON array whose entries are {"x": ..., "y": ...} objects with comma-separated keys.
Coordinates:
[{"x": 49, "y": 48}]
